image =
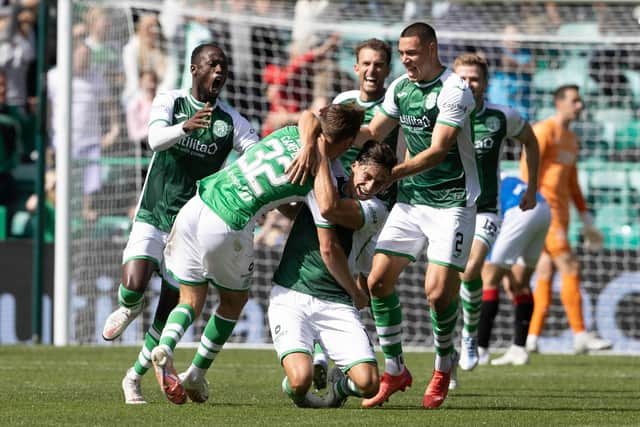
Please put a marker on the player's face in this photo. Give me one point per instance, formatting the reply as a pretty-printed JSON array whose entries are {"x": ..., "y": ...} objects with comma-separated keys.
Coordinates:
[
  {"x": 475, "y": 78},
  {"x": 571, "y": 105},
  {"x": 368, "y": 179},
  {"x": 209, "y": 74},
  {"x": 372, "y": 69},
  {"x": 416, "y": 56}
]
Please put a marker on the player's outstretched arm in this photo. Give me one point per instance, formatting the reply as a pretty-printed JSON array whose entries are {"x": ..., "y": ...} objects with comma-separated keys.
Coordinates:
[
  {"x": 377, "y": 129},
  {"x": 444, "y": 136},
  {"x": 530, "y": 145}
]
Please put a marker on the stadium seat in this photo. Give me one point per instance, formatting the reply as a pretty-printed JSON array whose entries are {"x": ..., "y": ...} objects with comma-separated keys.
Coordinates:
[
  {"x": 3, "y": 222},
  {"x": 574, "y": 71},
  {"x": 21, "y": 225},
  {"x": 579, "y": 29},
  {"x": 628, "y": 135},
  {"x": 633, "y": 77}
]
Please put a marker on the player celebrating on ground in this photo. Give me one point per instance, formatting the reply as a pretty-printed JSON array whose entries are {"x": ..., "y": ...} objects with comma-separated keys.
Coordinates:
[
  {"x": 559, "y": 184},
  {"x": 373, "y": 65},
  {"x": 516, "y": 251},
  {"x": 307, "y": 303},
  {"x": 212, "y": 242},
  {"x": 192, "y": 133},
  {"x": 492, "y": 124}
]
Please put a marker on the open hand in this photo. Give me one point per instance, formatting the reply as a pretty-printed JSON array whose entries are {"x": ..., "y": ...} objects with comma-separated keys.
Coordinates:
[{"x": 200, "y": 120}]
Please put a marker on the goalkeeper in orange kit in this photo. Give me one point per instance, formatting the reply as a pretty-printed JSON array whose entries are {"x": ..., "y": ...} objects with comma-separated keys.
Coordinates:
[{"x": 558, "y": 181}]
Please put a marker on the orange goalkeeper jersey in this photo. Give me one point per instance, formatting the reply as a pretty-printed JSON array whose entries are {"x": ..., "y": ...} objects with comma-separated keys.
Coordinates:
[{"x": 558, "y": 176}]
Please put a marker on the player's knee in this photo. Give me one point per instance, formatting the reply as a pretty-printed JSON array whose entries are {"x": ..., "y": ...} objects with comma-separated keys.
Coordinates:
[
  {"x": 300, "y": 382},
  {"x": 232, "y": 303},
  {"x": 377, "y": 287},
  {"x": 369, "y": 385}
]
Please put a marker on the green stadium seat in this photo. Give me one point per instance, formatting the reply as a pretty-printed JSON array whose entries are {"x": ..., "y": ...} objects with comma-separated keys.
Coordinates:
[
  {"x": 21, "y": 225},
  {"x": 633, "y": 77},
  {"x": 628, "y": 136},
  {"x": 574, "y": 71},
  {"x": 3, "y": 222},
  {"x": 579, "y": 29},
  {"x": 112, "y": 226}
]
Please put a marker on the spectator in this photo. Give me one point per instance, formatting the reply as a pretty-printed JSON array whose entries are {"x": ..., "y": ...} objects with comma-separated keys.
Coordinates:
[
  {"x": 139, "y": 107},
  {"x": 274, "y": 230},
  {"x": 138, "y": 112},
  {"x": 104, "y": 55},
  {"x": 11, "y": 125},
  {"x": 16, "y": 56},
  {"x": 511, "y": 83},
  {"x": 290, "y": 87},
  {"x": 49, "y": 209},
  {"x": 146, "y": 52},
  {"x": 87, "y": 139}
]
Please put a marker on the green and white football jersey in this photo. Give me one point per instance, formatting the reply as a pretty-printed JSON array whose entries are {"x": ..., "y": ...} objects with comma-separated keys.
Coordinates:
[
  {"x": 419, "y": 106},
  {"x": 173, "y": 173},
  {"x": 301, "y": 267},
  {"x": 257, "y": 183},
  {"x": 491, "y": 126},
  {"x": 370, "y": 108}
]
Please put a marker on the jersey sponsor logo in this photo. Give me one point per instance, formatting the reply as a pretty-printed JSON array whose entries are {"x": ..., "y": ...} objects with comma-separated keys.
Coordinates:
[
  {"x": 492, "y": 123},
  {"x": 192, "y": 145},
  {"x": 417, "y": 123},
  {"x": 485, "y": 143},
  {"x": 221, "y": 128},
  {"x": 454, "y": 106},
  {"x": 431, "y": 100}
]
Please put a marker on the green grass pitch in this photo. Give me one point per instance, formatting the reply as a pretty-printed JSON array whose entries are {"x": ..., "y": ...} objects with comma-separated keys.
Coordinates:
[{"x": 81, "y": 386}]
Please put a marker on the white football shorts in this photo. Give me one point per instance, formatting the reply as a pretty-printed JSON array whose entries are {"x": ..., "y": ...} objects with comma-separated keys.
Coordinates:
[
  {"x": 521, "y": 237},
  {"x": 297, "y": 319},
  {"x": 448, "y": 232},
  {"x": 487, "y": 228},
  {"x": 203, "y": 249}
]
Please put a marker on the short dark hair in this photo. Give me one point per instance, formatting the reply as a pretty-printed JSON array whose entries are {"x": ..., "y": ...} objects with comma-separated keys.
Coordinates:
[
  {"x": 561, "y": 91},
  {"x": 378, "y": 153},
  {"x": 422, "y": 30},
  {"x": 374, "y": 44},
  {"x": 198, "y": 50},
  {"x": 341, "y": 121}
]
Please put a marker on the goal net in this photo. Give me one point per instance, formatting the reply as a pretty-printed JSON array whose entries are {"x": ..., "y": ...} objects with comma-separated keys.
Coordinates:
[{"x": 531, "y": 47}]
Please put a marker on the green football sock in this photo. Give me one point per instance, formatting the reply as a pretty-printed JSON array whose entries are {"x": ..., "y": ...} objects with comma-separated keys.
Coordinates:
[
  {"x": 345, "y": 387},
  {"x": 471, "y": 298},
  {"x": 151, "y": 339},
  {"x": 388, "y": 319},
  {"x": 128, "y": 298},
  {"x": 178, "y": 322},
  {"x": 443, "y": 324},
  {"x": 216, "y": 333},
  {"x": 289, "y": 391}
]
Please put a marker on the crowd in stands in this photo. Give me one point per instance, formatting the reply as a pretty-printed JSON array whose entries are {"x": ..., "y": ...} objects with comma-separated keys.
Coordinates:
[{"x": 275, "y": 71}]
